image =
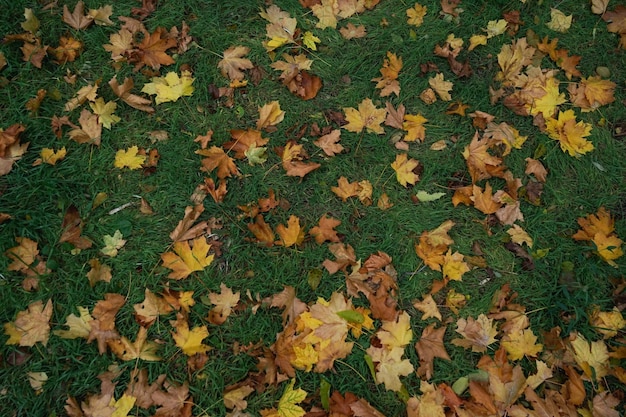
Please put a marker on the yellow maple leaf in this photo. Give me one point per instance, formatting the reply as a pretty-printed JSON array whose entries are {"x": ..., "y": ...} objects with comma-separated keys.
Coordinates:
[
  {"x": 310, "y": 40},
  {"x": 559, "y": 22},
  {"x": 141, "y": 348},
  {"x": 476, "y": 40},
  {"x": 270, "y": 115},
  {"x": 608, "y": 323},
  {"x": 291, "y": 235},
  {"x": 519, "y": 236},
  {"x": 171, "y": 87},
  {"x": 368, "y": 117},
  {"x": 122, "y": 406},
  {"x": 396, "y": 333},
  {"x": 441, "y": 87},
  {"x": 547, "y": 103},
  {"x": 495, "y": 28},
  {"x": 391, "y": 367},
  {"x": 104, "y": 111},
  {"x": 78, "y": 325},
  {"x": 414, "y": 125},
  {"x": 190, "y": 341},
  {"x": 416, "y": 14},
  {"x": 591, "y": 93},
  {"x": 404, "y": 169},
  {"x": 454, "y": 266},
  {"x": 112, "y": 244},
  {"x": 521, "y": 343},
  {"x": 306, "y": 357},
  {"x": 234, "y": 399},
  {"x": 288, "y": 403},
  {"x": 129, "y": 158},
  {"x": 570, "y": 134},
  {"x": 50, "y": 156},
  {"x": 592, "y": 357},
  {"x": 186, "y": 260}
]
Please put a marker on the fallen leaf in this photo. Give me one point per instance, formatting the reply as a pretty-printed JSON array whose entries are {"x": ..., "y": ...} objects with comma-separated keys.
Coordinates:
[
  {"x": 441, "y": 87},
  {"x": 217, "y": 158},
  {"x": 329, "y": 143},
  {"x": 77, "y": 19},
  {"x": 129, "y": 158},
  {"x": 478, "y": 333},
  {"x": 416, "y": 15},
  {"x": 31, "y": 325},
  {"x": 190, "y": 341},
  {"x": 224, "y": 304},
  {"x": 171, "y": 87},
  {"x": 291, "y": 235},
  {"x": 352, "y": 32},
  {"x": 185, "y": 259},
  {"x": 133, "y": 100},
  {"x": 324, "y": 231},
  {"x": 233, "y": 62},
  {"x": 270, "y": 114},
  {"x": 112, "y": 244},
  {"x": 366, "y": 117},
  {"x": 404, "y": 168},
  {"x": 559, "y": 22},
  {"x": 428, "y": 307}
]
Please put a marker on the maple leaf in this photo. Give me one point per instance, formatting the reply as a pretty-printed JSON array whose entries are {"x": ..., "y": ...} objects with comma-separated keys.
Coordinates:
[
  {"x": 234, "y": 398},
  {"x": 521, "y": 343},
  {"x": 78, "y": 325},
  {"x": 174, "y": 401},
  {"x": 149, "y": 310},
  {"x": 404, "y": 168},
  {"x": 133, "y": 100},
  {"x": 171, "y": 87},
  {"x": 430, "y": 403},
  {"x": 129, "y": 158},
  {"x": 281, "y": 27},
  {"x": 326, "y": 11},
  {"x": 88, "y": 92},
  {"x": 233, "y": 63},
  {"x": 484, "y": 200},
  {"x": 345, "y": 256},
  {"x": 366, "y": 117},
  {"x": 454, "y": 266},
  {"x": 416, "y": 14},
  {"x": 126, "y": 350},
  {"x": 224, "y": 304},
  {"x": 270, "y": 114},
  {"x": 388, "y": 82},
  {"x": 428, "y": 307},
  {"x": 519, "y": 236},
  {"x": 345, "y": 189},
  {"x": 570, "y": 134},
  {"x": 104, "y": 111},
  {"x": 559, "y": 22},
  {"x": 90, "y": 129},
  {"x": 120, "y": 43},
  {"x": 591, "y": 357},
  {"x": 536, "y": 168},
  {"x": 77, "y": 19},
  {"x": 67, "y": 51},
  {"x": 217, "y": 158},
  {"x": 512, "y": 58},
  {"x": 476, "y": 40},
  {"x": 185, "y": 229},
  {"x": 324, "y": 230},
  {"x": 329, "y": 143},
  {"x": 397, "y": 333},
  {"x": 441, "y": 87},
  {"x": 152, "y": 50},
  {"x": 607, "y": 323},
  {"x": 185, "y": 260},
  {"x": 291, "y": 235},
  {"x": 430, "y": 346},
  {"x": 478, "y": 333},
  {"x": 414, "y": 125},
  {"x": 598, "y": 228},
  {"x": 352, "y": 32},
  {"x": 30, "y": 326},
  {"x": 261, "y": 230},
  {"x": 72, "y": 229},
  {"x": 101, "y": 16},
  {"x": 591, "y": 93},
  {"x": 190, "y": 341},
  {"x": 288, "y": 403}
]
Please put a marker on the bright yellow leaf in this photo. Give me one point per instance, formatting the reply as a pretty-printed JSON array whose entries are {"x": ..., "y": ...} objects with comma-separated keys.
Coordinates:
[
  {"x": 416, "y": 14},
  {"x": 521, "y": 343},
  {"x": 288, "y": 403},
  {"x": 123, "y": 405},
  {"x": 414, "y": 125},
  {"x": 171, "y": 87},
  {"x": 454, "y": 266},
  {"x": 310, "y": 40},
  {"x": 496, "y": 27},
  {"x": 129, "y": 158},
  {"x": 476, "y": 40},
  {"x": 291, "y": 235},
  {"x": 570, "y": 134},
  {"x": 50, "y": 156}
]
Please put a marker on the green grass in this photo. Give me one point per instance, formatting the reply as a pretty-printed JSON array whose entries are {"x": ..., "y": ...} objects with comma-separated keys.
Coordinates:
[{"x": 37, "y": 197}]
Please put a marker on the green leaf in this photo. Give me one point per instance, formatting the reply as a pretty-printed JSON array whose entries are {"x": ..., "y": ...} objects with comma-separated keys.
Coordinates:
[
  {"x": 424, "y": 197},
  {"x": 325, "y": 394},
  {"x": 351, "y": 316}
]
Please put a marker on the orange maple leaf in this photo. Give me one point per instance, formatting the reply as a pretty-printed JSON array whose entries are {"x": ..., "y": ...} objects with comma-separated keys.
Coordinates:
[
  {"x": 430, "y": 346},
  {"x": 151, "y": 51},
  {"x": 329, "y": 143},
  {"x": 345, "y": 189},
  {"x": 388, "y": 83},
  {"x": 186, "y": 260},
  {"x": 324, "y": 230},
  {"x": 133, "y": 100},
  {"x": 262, "y": 231},
  {"x": 483, "y": 200},
  {"x": 217, "y": 158},
  {"x": 291, "y": 235}
]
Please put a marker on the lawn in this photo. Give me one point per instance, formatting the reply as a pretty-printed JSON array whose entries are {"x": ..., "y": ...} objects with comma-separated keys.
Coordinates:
[{"x": 336, "y": 207}]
